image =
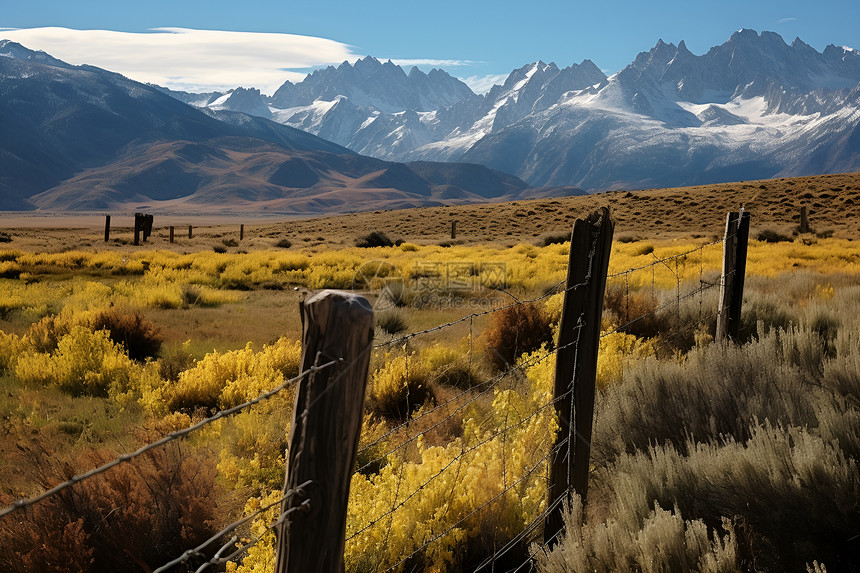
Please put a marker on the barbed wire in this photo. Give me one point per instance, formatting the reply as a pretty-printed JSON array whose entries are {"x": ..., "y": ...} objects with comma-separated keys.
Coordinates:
[
  {"x": 217, "y": 559},
  {"x": 493, "y": 382},
  {"x": 526, "y": 531},
  {"x": 22, "y": 503},
  {"x": 703, "y": 286},
  {"x": 487, "y": 503},
  {"x": 470, "y": 317},
  {"x": 663, "y": 260},
  {"x": 198, "y": 551},
  {"x": 462, "y": 453}
]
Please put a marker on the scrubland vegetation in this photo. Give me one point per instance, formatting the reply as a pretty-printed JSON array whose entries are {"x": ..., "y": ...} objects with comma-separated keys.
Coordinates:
[{"x": 705, "y": 456}]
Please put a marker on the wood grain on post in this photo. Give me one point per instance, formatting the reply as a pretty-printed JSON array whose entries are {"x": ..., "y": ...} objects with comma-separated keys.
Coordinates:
[
  {"x": 107, "y": 228},
  {"x": 576, "y": 362},
  {"x": 325, "y": 430},
  {"x": 732, "y": 279},
  {"x": 804, "y": 220}
]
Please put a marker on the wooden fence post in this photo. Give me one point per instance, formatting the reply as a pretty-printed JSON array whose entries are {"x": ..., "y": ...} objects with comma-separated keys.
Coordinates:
[
  {"x": 576, "y": 362},
  {"x": 137, "y": 227},
  {"x": 107, "y": 228},
  {"x": 453, "y": 229},
  {"x": 734, "y": 271},
  {"x": 171, "y": 233},
  {"x": 189, "y": 232},
  {"x": 325, "y": 429},
  {"x": 147, "y": 227},
  {"x": 804, "y": 220},
  {"x": 241, "y": 232}
]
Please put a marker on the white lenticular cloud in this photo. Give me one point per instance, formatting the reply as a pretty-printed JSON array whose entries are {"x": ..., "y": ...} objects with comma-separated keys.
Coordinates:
[
  {"x": 482, "y": 84},
  {"x": 434, "y": 63},
  {"x": 186, "y": 59}
]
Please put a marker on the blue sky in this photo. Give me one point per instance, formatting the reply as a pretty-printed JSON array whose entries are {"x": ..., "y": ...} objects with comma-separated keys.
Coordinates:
[{"x": 476, "y": 40}]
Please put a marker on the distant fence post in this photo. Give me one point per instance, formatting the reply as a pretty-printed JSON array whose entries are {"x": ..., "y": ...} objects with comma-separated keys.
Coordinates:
[
  {"x": 241, "y": 232},
  {"x": 147, "y": 227},
  {"x": 325, "y": 431},
  {"x": 190, "y": 234},
  {"x": 804, "y": 220},
  {"x": 171, "y": 233},
  {"x": 576, "y": 362},
  {"x": 453, "y": 229},
  {"x": 137, "y": 227},
  {"x": 734, "y": 271},
  {"x": 107, "y": 228}
]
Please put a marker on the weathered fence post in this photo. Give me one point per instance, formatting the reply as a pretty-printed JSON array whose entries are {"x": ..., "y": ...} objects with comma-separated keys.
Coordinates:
[
  {"x": 325, "y": 430},
  {"x": 241, "y": 232},
  {"x": 576, "y": 362},
  {"x": 171, "y": 233},
  {"x": 732, "y": 280},
  {"x": 453, "y": 229},
  {"x": 804, "y": 220},
  {"x": 137, "y": 227},
  {"x": 189, "y": 232},
  {"x": 147, "y": 227},
  {"x": 107, "y": 228}
]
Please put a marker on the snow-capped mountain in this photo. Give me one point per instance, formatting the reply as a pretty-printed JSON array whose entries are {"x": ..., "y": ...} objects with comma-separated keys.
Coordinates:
[
  {"x": 753, "y": 107},
  {"x": 83, "y": 138},
  {"x": 370, "y": 83}
]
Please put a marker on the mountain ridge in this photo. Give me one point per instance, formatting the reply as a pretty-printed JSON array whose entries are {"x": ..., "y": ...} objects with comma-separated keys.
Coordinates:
[
  {"x": 78, "y": 137},
  {"x": 749, "y": 108}
]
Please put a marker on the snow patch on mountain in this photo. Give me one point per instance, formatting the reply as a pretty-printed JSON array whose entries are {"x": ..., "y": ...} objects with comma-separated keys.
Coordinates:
[{"x": 745, "y": 109}]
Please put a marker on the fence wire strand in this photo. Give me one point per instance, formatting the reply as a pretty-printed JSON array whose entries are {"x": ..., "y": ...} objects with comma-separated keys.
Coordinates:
[
  {"x": 22, "y": 503},
  {"x": 485, "y": 387}
]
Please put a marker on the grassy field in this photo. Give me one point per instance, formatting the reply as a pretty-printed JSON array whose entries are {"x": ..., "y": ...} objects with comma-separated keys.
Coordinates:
[{"x": 708, "y": 457}]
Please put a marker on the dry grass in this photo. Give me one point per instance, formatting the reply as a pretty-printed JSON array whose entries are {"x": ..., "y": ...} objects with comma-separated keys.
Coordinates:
[{"x": 833, "y": 202}]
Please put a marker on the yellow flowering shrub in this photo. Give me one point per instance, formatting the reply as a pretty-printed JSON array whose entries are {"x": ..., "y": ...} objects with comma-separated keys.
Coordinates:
[
  {"x": 400, "y": 386},
  {"x": 11, "y": 347},
  {"x": 493, "y": 474},
  {"x": 226, "y": 379},
  {"x": 253, "y": 444},
  {"x": 260, "y": 558},
  {"x": 616, "y": 349},
  {"x": 87, "y": 363}
]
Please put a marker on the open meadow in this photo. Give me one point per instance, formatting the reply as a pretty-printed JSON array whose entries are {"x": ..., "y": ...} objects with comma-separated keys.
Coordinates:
[{"x": 705, "y": 456}]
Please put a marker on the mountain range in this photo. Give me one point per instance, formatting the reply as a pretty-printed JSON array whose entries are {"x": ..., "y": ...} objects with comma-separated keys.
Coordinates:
[
  {"x": 369, "y": 135},
  {"x": 83, "y": 138},
  {"x": 753, "y": 107}
]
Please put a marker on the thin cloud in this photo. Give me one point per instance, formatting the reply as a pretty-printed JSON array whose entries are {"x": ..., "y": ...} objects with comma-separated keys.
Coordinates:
[
  {"x": 482, "y": 84},
  {"x": 435, "y": 63},
  {"x": 186, "y": 59},
  {"x": 784, "y": 20}
]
